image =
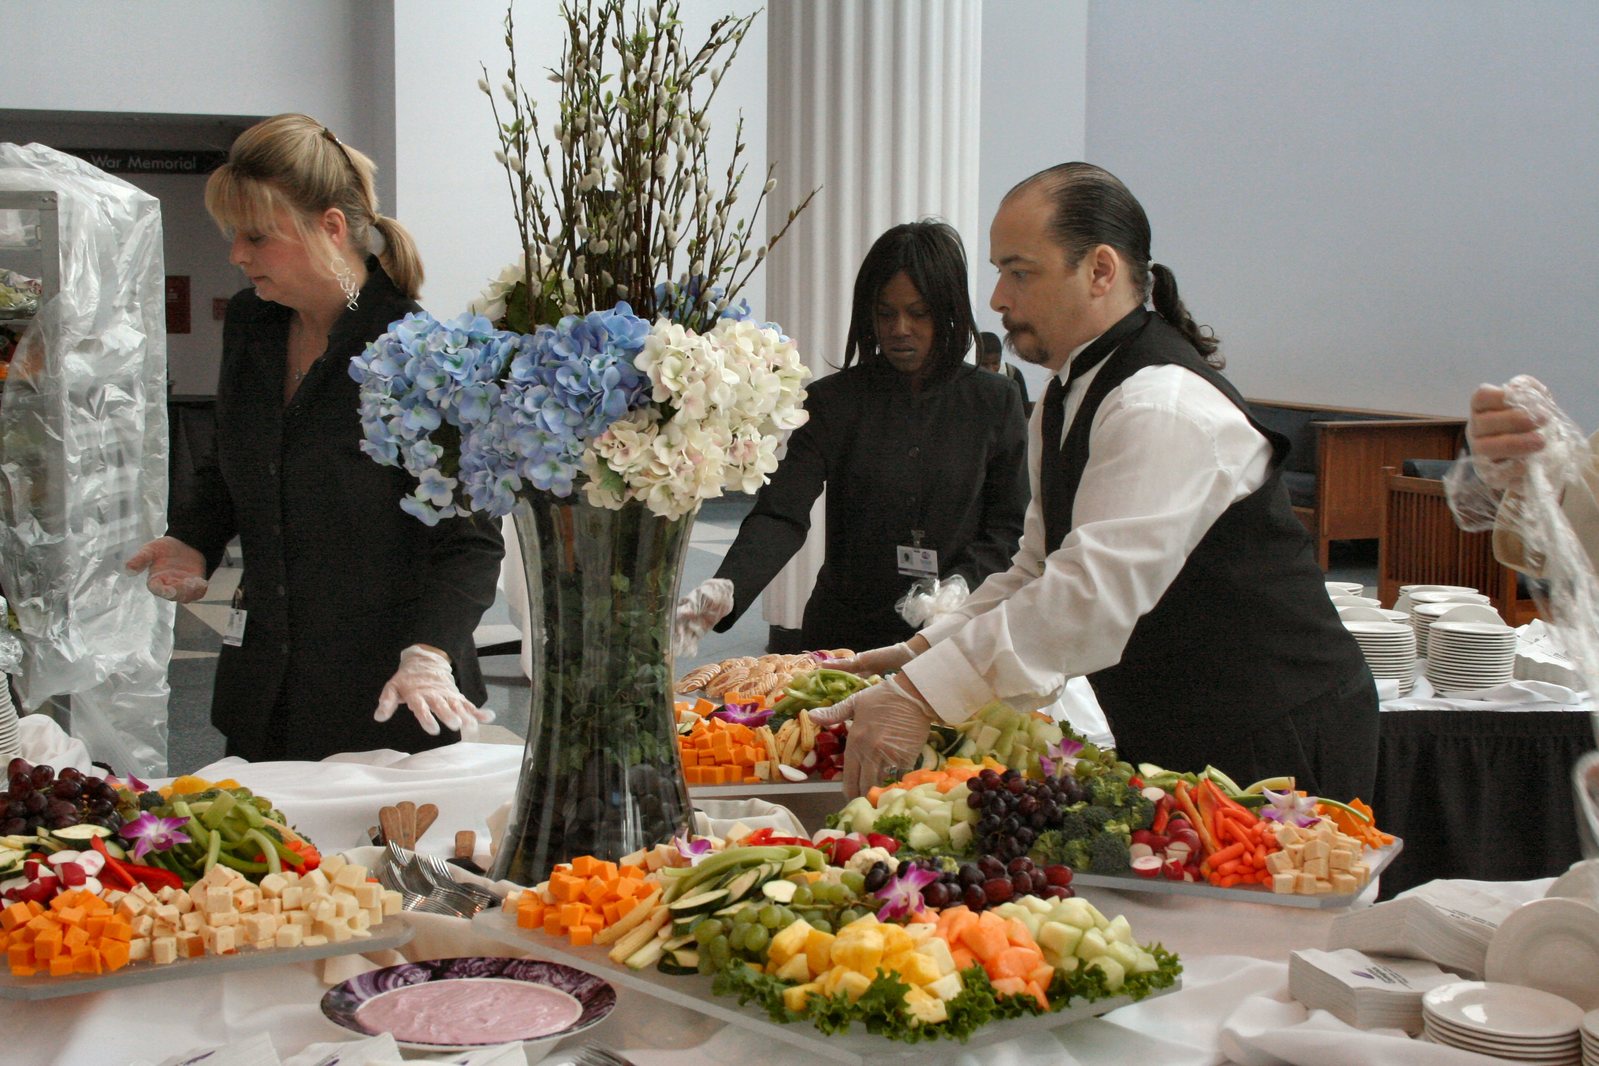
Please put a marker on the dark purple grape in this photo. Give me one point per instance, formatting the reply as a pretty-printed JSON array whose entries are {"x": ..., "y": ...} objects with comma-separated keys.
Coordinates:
[
  {"x": 65, "y": 789},
  {"x": 13, "y": 827},
  {"x": 36, "y": 802},
  {"x": 21, "y": 785},
  {"x": 975, "y": 801},
  {"x": 1058, "y": 892},
  {"x": 936, "y": 895},
  {"x": 70, "y": 773},
  {"x": 98, "y": 789},
  {"x": 100, "y": 806},
  {"x": 18, "y": 765},
  {"x": 876, "y": 877},
  {"x": 60, "y": 809},
  {"x": 991, "y": 867},
  {"x": 42, "y": 776},
  {"x": 16, "y": 809},
  {"x": 1059, "y": 874},
  {"x": 31, "y": 823},
  {"x": 1019, "y": 864},
  {"x": 970, "y": 874},
  {"x": 974, "y": 897},
  {"x": 998, "y": 889},
  {"x": 60, "y": 821}
]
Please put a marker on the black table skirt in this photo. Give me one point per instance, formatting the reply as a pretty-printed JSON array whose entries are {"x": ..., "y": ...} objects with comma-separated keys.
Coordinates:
[{"x": 1483, "y": 795}]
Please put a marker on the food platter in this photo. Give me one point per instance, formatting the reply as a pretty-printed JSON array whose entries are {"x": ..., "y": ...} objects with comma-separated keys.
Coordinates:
[
  {"x": 768, "y": 788},
  {"x": 1378, "y": 859},
  {"x": 693, "y": 992},
  {"x": 392, "y": 933}
]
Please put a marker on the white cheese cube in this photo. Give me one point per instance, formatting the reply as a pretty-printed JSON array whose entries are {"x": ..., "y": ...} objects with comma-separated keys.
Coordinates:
[
  {"x": 164, "y": 949},
  {"x": 290, "y": 936}
]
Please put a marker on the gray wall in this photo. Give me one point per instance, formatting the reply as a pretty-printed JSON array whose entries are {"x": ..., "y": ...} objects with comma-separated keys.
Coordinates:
[{"x": 1374, "y": 203}]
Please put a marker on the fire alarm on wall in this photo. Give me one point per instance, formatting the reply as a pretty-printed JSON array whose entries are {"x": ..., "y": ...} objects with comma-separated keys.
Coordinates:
[{"x": 219, "y": 307}]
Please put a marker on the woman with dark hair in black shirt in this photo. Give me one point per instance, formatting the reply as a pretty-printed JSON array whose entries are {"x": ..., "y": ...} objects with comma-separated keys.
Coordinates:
[{"x": 918, "y": 450}]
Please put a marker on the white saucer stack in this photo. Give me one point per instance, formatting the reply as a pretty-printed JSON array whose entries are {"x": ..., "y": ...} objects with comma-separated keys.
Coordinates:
[
  {"x": 1423, "y": 615},
  {"x": 1464, "y": 656},
  {"x": 1590, "y": 1038},
  {"x": 1549, "y": 944},
  {"x": 1389, "y": 648},
  {"x": 1515, "y": 1023}
]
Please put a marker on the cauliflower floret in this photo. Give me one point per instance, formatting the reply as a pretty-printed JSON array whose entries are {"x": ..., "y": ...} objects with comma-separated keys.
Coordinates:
[{"x": 866, "y": 858}]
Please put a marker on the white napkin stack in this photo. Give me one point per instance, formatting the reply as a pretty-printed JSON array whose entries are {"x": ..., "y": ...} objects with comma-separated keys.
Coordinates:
[
  {"x": 1449, "y": 923},
  {"x": 255, "y": 1050},
  {"x": 1366, "y": 991}
]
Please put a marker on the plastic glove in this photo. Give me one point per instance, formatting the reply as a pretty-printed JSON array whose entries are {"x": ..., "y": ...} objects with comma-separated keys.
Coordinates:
[
  {"x": 876, "y": 661},
  {"x": 1501, "y": 434},
  {"x": 698, "y": 612},
  {"x": 425, "y": 683},
  {"x": 176, "y": 571},
  {"x": 888, "y": 727}
]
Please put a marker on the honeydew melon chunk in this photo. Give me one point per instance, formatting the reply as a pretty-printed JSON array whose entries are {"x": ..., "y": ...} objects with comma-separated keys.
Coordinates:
[
  {"x": 1146, "y": 963},
  {"x": 1038, "y": 906},
  {"x": 1126, "y": 954},
  {"x": 1092, "y": 945},
  {"x": 1078, "y": 912},
  {"x": 939, "y": 818},
  {"x": 1059, "y": 941},
  {"x": 923, "y": 837},
  {"x": 863, "y": 820},
  {"x": 1120, "y": 930},
  {"x": 1115, "y": 973},
  {"x": 889, "y": 798},
  {"x": 960, "y": 835}
]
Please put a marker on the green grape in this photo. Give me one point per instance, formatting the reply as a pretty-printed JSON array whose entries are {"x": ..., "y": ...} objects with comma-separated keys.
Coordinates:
[
  {"x": 821, "y": 925},
  {"x": 803, "y": 896},
  {"x": 770, "y": 916},
  {"x": 720, "y": 951},
  {"x": 706, "y": 965},
  {"x": 707, "y": 929},
  {"x": 756, "y": 939},
  {"x": 744, "y": 917},
  {"x": 854, "y": 881},
  {"x": 786, "y": 917},
  {"x": 850, "y": 914}
]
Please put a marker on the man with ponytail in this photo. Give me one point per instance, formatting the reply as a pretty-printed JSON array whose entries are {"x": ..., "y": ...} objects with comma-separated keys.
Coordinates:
[
  {"x": 1161, "y": 558},
  {"x": 348, "y": 606}
]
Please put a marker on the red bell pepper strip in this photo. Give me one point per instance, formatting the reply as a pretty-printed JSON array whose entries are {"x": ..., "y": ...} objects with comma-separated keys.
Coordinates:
[
  {"x": 152, "y": 877},
  {"x": 111, "y": 872}
]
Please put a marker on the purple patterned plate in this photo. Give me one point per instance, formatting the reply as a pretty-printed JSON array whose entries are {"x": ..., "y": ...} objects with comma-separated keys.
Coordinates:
[{"x": 594, "y": 995}]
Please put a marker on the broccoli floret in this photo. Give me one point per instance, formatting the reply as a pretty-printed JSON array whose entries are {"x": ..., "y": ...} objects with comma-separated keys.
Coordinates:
[
  {"x": 1108, "y": 854},
  {"x": 1049, "y": 848},
  {"x": 1072, "y": 824},
  {"x": 1076, "y": 854},
  {"x": 1095, "y": 816},
  {"x": 1126, "y": 804}
]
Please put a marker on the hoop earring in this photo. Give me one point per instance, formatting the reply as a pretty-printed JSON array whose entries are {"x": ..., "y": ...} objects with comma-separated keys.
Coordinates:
[{"x": 346, "y": 279}]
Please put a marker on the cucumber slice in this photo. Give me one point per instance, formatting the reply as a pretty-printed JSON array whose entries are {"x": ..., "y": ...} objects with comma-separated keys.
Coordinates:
[
  {"x": 698, "y": 903},
  {"x": 779, "y": 891},
  {"x": 679, "y": 962},
  {"x": 745, "y": 883},
  {"x": 794, "y": 865},
  {"x": 81, "y": 833}
]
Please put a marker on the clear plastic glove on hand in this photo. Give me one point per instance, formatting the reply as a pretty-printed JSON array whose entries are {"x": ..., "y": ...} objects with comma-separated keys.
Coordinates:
[
  {"x": 175, "y": 571},
  {"x": 698, "y": 612},
  {"x": 425, "y": 684},
  {"x": 876, "y": 661},
  {"x": 1502, "y": 432},
  {"x": 888, "y": 728}
]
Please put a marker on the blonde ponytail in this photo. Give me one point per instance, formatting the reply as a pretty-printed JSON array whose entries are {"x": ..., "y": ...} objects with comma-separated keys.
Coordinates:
[{"x": 398, "y": 255}]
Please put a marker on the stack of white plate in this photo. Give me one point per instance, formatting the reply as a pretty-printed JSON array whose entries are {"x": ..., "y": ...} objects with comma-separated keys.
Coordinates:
[
  {"x": 1423, "y": 615},
  {"x": 10, "y": 743},
  {"x": 1515, "y": 1023},
  {"x": 1464, "y": 656},
  {"x": 1403, "y": 602},
  {"x": 1590, "y": 1038},
  {"x": 1389, "y": 648},
  {"x": 1345, "y": 588},
  {"x": 1356, "y": 601}
]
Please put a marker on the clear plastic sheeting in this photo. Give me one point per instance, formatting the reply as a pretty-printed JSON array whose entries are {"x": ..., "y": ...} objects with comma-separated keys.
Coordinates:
[{"x": 83, "y": 461}]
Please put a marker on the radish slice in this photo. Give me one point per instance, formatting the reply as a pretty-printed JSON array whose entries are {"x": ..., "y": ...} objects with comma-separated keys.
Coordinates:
[
  {"x": 1146, "y": 866},
  {"x": 793, "y": 773},
  {"x": 1140, "y": 851},
  {"x": 91, "y": 861},
  {"x": 66, "y": 855},
  {"x": 1154, "y": 793}
]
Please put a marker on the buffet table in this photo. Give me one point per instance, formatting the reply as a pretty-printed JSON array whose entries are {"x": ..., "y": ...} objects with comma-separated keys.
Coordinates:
[{"x": 1234, "y": 1006}]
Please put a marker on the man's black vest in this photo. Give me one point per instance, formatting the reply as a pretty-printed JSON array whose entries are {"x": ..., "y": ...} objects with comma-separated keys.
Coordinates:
[{"x": 1246, "y": 631}]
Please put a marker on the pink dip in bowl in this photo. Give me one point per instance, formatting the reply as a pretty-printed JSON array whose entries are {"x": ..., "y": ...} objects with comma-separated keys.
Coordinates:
[{"x": 476, "y": 1010}]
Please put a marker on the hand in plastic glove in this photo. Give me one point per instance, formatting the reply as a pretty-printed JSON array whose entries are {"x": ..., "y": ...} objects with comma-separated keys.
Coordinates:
[
  {"x": 889, "y": 724},
  {"x": 176, "y": 571},
  {"x": 425, "y": 683},
  {"x": 1500, "y": 434},
  {"x": 699, "y": 611},
  {"x": 881, "y": 660}
]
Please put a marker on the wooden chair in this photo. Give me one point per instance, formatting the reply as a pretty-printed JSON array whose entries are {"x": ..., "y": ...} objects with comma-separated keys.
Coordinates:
[{"x": 1421, "y": 545}]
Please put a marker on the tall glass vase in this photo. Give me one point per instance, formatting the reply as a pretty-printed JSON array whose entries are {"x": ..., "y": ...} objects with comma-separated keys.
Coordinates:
[{"x": 601, "y": 773}]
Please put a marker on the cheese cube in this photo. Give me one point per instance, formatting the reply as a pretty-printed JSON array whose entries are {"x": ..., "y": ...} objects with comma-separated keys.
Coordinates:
[
  {"x": 218, "y": 875},
  {"x": 1317, "y": 849},
  {"x": 139, "y": 949},
  {"x": 345, "y": 906},
  {"x": 1287, "y": 834},
  {"x": 166, "y": 894},
  {"x": 224, "y": 919},
  {"x": 270, "y": 906},
  {"x": 1305, "y": 884},
  {"x": 1343, "y": 884},
  {"x": 1278, "y": 862},
  {"x": 293, "y": 898},
  {"x": 272, "y": 885},
  {"x": 184, "y": 902},
  {"x": 191, "y": 922},
  {"x": 349, "y": 876},
  {"x": 218, "y": 899},
  {"x": 246, "y": 899},
  {"x": 360, "y": 921},
  {"x": 314, "y": 940},
  {"x": 1283, "y": 883},
  {"x": 164, "y": 949},
  {"x": 131, "y": 906},
  {"x": 1316, "y": 868},
  {"x": 289, "y": 936},
  {"x": 369, "y": 894},
  {"x": 323, "y": 909},
  {"x": 316, "y": 881},
  {"x": 142, "y": 925},
  {"x": 393, "y": 902},
  {"x": 332, "y": 864},
  {"x": 190, "y": 945}
]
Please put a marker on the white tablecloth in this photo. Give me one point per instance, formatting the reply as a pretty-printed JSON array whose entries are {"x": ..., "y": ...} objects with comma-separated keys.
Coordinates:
[{"x": 1234, "y": 1006}]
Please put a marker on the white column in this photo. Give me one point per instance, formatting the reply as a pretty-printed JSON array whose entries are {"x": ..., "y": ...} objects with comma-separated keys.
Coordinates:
[{"x": 876, "y": 102}]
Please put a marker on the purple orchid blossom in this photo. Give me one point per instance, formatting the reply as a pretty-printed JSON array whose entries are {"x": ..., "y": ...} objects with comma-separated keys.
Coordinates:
[
  {"x": 745, "y": 714},
  {"x": 1065, "y": 756},
  {"x": 1289, "y": 806},
  {"x": 151, "y": 832},
  {"x": 692, "y": 850},
  {"x": 902, "y": 895}
]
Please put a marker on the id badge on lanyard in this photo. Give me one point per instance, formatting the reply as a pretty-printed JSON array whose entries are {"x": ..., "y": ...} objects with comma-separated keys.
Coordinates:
[
  {"x": 233, "y": 635},
  {"x": 915, "y": 560}
]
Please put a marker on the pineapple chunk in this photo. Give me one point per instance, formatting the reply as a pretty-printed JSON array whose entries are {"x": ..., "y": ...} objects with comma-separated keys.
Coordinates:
[
  {"x": 795, "y": 969},
  {"x": 947, "y": 987},
  {"x": 795, "y": 998},
  {"x": 854, "y": 984},
  {"x": 860, "y": 950},
  {"x": 924, "y": 1007},
  {"x": 819, "y": 950},
  {"x": 789, "y": 943}
]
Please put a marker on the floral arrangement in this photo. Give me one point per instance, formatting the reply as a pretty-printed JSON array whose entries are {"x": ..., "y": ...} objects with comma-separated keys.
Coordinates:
[{"x": 615, "y": 356}]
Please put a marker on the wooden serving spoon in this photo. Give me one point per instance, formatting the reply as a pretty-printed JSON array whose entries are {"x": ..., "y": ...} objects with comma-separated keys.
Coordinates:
[{"x": 426, "y": 815}]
